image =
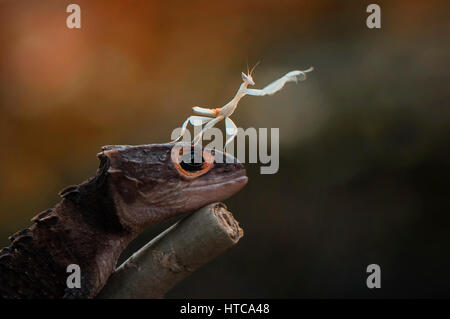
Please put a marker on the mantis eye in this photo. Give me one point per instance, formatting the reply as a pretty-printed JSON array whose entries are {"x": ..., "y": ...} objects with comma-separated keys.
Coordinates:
[
  {"x": 193, "y": 164},
  {"x": 248, "y": 79}
]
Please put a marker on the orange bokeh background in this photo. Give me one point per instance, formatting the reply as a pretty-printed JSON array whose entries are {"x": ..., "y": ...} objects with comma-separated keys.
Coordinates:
[{"x": 362, "y": 140}]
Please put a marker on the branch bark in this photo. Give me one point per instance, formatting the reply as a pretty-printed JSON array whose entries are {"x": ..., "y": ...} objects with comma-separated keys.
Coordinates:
[{"x": 174, "y": 254}]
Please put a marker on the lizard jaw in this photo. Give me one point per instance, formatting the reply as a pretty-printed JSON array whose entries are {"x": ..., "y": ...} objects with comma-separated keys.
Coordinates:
[{"x": 147, "y": 186}]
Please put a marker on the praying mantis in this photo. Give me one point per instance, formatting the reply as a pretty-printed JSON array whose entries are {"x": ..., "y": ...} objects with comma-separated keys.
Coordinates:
[{"x": 211, "y": 117}]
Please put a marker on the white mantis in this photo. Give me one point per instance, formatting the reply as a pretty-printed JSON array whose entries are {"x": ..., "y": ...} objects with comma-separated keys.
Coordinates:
[{"x": 212, "y": 116}]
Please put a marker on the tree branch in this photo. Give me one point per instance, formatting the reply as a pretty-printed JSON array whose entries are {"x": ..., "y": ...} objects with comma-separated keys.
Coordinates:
[{"x": 174, "y": 254}]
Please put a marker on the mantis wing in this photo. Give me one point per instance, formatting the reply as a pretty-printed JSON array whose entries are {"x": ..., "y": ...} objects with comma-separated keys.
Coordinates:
[{"x": 277, "y": 85}]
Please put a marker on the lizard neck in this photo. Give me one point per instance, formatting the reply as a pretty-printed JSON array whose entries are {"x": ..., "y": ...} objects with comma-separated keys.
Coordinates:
[
  {"x": 83, "y": 229},
  {"x": 38, "y": 258}
]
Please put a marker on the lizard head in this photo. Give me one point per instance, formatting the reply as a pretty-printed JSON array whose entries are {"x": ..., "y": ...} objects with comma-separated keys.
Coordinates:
[{"x": 150, "y": 183}]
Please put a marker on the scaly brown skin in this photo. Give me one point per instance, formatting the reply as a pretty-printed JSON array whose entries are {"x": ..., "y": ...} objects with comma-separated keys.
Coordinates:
[{"x": 135, "y": 187}]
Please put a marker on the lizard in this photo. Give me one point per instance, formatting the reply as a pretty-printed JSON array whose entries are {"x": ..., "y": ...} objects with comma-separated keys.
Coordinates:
[{"x": 134, "y": 187}]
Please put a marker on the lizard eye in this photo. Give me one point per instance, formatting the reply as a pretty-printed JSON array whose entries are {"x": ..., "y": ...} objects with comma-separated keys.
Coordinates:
[
  {"x": 194, "y": 164},
  {"x": 191, "y": 165}
]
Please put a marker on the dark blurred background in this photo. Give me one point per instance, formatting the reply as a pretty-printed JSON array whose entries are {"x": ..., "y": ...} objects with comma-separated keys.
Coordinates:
[{"x": 364, "y": 151}]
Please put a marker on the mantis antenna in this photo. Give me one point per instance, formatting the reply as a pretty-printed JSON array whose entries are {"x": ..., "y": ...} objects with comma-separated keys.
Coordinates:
[{"x": 251, "y": 71}]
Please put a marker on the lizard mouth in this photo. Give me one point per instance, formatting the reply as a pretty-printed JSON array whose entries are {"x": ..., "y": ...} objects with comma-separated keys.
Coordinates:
[
  {"x": 236, "y": 184},
  {"x": 222, "y": 181},
  {"x": 216, "y": 190}
]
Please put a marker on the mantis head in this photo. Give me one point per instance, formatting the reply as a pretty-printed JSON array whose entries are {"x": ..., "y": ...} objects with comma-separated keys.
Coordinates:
[{"x": 247, "y": 78}]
